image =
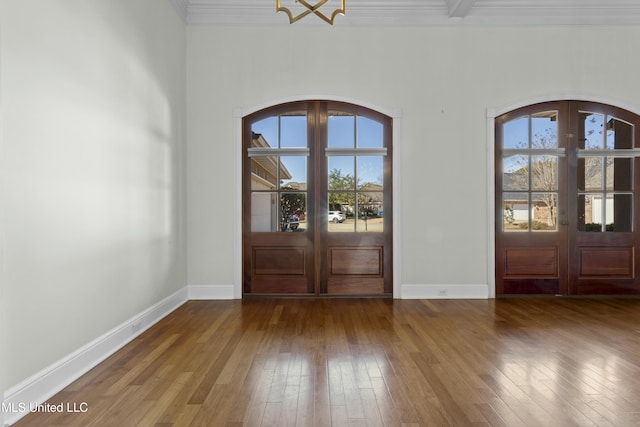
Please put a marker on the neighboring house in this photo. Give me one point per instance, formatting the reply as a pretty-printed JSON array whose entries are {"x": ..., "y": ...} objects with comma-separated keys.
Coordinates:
[
  {"x": 372, "y": 198},
  {"x": 516, "y": 186},
  {"x": 264, "y": 176},
  {"x": 264, "y": 170}
]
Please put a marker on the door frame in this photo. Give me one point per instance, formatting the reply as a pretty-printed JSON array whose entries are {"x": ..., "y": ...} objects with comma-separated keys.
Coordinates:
[
  {"x": 492, "y": 114},
  {"x": 239, "y": 113}
]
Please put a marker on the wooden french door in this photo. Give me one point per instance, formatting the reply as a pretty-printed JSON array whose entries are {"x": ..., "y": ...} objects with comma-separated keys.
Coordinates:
[
  {"x": 317, "y": 213},
  {"x": 567, "y": 210}
]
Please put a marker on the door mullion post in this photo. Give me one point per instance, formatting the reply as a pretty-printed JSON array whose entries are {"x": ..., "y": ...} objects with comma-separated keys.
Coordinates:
[
  {"x": 574, "y": 134},
  {"x": 319, "y": 174}
]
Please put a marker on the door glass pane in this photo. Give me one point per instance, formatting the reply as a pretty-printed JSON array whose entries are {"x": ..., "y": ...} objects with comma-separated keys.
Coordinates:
[
  {"x": 619, "y": 134},
  {"x": 264, "y": 173},
  {"x": 544, "y": 133},
  {"x": 265, "y": 132},
  {"x": 516, "y": 173},
  {"x": 516, "y": 133},
  {"x": 619, "y": 175},
  {"x": 341, "y": 173},
  {"x": 341, "y": 211},
  {"x": 293, "y": 172},
  {"x": 293, "y": 130},
  {"x": 591, "y": 172},
  {"x": 369, "y": 133},
  {"x": 370, "y": 172},
  {"x": 544, "y": 173},
  {"x": 605, "y": 206},
  {"x": 341, "y": 128},
  {"x": 515, "y": 211},
  {"x": 264, "y": 212},
  {"x": 590, "y": 212},
  {"x": 368, "y": 218},
  {"x": 545, "y": 211},
  {"x": 370, "y": 194},
  {"x": 593, "y": 131},
  {"x": 293, "y": 208},
  {"x": 615, "y": 209},
  {"x": 619, "y": 213}
]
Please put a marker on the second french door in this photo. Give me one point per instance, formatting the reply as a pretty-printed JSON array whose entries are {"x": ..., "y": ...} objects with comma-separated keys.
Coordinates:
[
  {"x": 567, "y": 211},
  {"x": 317, "y": 213}
]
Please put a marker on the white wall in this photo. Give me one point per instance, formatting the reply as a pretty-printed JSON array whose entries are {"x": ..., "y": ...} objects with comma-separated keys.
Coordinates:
[
  {"x": 442, "y": 78},
  {"x": 91, "y": 171}
]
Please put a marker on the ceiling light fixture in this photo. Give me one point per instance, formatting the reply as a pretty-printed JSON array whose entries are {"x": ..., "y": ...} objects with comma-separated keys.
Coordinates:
[{"x": 311, "y": 8}]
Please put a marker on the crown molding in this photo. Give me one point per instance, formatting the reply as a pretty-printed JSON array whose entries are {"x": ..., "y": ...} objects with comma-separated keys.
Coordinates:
[
  {"x": 459, "y": 8},
  {"x": 181, "y": 7},
  {"x": 420, "y": 12}
]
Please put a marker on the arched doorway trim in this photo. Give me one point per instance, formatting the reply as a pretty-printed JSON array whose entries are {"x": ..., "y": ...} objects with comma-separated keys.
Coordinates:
[{"x": 240, "y": 112}]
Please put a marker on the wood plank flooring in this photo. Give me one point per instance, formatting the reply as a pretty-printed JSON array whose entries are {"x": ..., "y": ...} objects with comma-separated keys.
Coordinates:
[{"x": 370, "y": 362}]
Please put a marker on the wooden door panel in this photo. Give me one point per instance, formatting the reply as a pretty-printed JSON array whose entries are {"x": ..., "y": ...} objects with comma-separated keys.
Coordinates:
[
  {"x": 358, "y": 263},
  {"x": 280, "y": 261},
  {"x": 606, "y": 262},
  {"x": 280, "y": 269},
  {"x": 355, "y": 261},
  {"x": 539, "y": 268},
  {"x": 532, "y": 263},
  {"x": 537, "y": 262},
  {"x": 355, "y": 270}
]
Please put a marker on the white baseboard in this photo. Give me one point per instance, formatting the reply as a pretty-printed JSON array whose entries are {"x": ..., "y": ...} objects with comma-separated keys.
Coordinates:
[
  {"x": 41, "y": 386},
  {"x": 214, "y": 292},
  {"x": 468, "y": 291}
]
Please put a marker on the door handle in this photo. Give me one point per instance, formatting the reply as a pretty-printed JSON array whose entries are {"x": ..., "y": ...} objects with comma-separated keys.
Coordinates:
[{"x": 564, "y": 222}]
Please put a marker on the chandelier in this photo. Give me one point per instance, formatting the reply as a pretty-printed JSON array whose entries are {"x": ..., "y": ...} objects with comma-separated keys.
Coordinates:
[{"x": 311, "y": 8}]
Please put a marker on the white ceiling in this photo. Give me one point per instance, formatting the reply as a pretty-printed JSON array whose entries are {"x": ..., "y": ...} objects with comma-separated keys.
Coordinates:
[{"x": 416, "y": 12}]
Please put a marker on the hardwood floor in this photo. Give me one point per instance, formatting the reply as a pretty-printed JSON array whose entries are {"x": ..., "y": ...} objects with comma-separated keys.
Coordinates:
[{"x": 370, "y": 362}]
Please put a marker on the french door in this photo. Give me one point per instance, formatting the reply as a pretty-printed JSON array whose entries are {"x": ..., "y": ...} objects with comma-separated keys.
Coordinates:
[
  {"x": 317, "y": 213},
  {"x": 567, "y": 211}
]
